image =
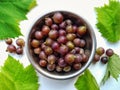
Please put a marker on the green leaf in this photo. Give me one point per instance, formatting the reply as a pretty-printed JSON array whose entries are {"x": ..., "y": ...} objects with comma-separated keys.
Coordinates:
[
  {"x": 113, "y": 68},
  {"x": 108, "y": 18},
  {"x": 13, "y": 76},
  {"x": 11, "y": 13},
  {"x": 86, "y": 82}
]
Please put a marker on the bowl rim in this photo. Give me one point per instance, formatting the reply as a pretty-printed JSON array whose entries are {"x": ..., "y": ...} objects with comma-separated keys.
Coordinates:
[{"x": 41, "y": 71}]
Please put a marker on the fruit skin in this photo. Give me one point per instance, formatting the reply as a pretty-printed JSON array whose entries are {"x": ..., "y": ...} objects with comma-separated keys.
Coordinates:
[
  {"x": 63, "y": 50},
  {"x": 43, "y": 63},
  {"x": 70, "y": 36},
  {"x": 82, "y": 43},
  {"x": 51, "y": 59},
  {"x": 48, "y": 42},
  {"x": 11, "y": 48},
  {"x": 45, "y": 30},
  {"x": 35, "y": 43},
  {"x": 54, "y": 27},
  {"x": 48, "y": 21},
  {"x": 53, "y": 34},
  {"x": 104, "y": 59},
  {"x": 109, "y": 52},
  {"x": 96, "y": 58},
  {"x": 62, "y": 39},
  {"x": 42, "y": 55},
  {"x": 48, "y": 50},
  {"x": 84, "y": 58},
  {"x": 61, "y": 62},
  {"x": 59, "y": 69},
  {"x": 8, "y": 41},
  {"x": 69, "y": 58},
  {"x": 20, "y": 42},
  {"x": 57, "y": 17},
  {"x": 55, "y": 46},
  {"x": 38, "y": 35},
  {"x": 67, "y": 69},
  {"x": 19, "y": 50},
  {"x": 81, "y": 30},
  {"x": 78, "y": 58},
  {"x": 62, "y": 25},
  {"x": 68, "y": 22},
  {"x": 69, "y": 29},
  {"x": 62, "y": 32},
  {"x": 70, "y": 45},
  {"x": 51, "y": 67},
  {"x": 100, "y": 51},
  {"x": 37, "y": 50},
  {"x": 77, "y": 66},
  {"x": 77, "y": 41}
]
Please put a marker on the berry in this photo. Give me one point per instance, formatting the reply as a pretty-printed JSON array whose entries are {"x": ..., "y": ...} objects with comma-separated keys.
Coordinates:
[
  {"x": 11, "y": 48},
  {"x": 38, "y": 35},
  {"x": 100, "y": 51},
  {"x": 62, "y": 25},
  {"x": 70, "y": 58},
  {"x": 58, "y": 69},
  {"x": 51, "y": 59},
  {"x": 104, "y": 59},
  {"x": 70, "y": 45},
  {"x": 48, "y": 50},
  {"x": 19, "y": 50},
  {"x": 81, "y": 30},
  {"x": 77, "y": 41},
  {"x": 42, "y": 55},
  {"x": 77, "y": 66},
  {"x": 68, "y": 22},
  {"x": 51, "y": 67},
  {"x": 35, "y": 43},
  {"x": 63, "y": 50},
  {"x": 70, "y": 37},
  {"x": 62, "y": 39},
  {"x": 20, "y": 42},
  {"x": 96, "y": 58},
  {"x": 43, "y": 63},
  {"x": 109, "y": 52},
  {"x": 67, "y": 69},
  {"x": 45, "y": 30},
  {"x": 57, "y": 17},
  {"x": 53, "y": 34},
  {"x": 82, "y": 43},
  {"x": 48, "y": 21},
  {"x": 54, "y": 27},
  {"x": 8, "y": 41},
  {"x": 37, "y": 50}
]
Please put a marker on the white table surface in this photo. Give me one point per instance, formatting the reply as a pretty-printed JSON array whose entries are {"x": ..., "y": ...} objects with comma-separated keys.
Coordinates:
[{"x": 84, "y": 8}]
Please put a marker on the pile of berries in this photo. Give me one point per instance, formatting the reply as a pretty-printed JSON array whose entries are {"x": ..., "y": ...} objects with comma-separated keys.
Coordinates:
[
  {"x": 60, "y": 44},
  {"x": 103, "y": 55},
  {"x": 12, "y": 48}
]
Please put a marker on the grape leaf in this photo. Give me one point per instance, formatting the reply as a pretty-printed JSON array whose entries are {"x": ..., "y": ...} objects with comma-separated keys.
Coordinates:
[
  {"x": 108, "y": 18},
  {"x": 13, "y": 76},
  {"x": 11, "y": 13},
  {"x": 113, "y": 68},
  {"x": 86, "y": 82}
]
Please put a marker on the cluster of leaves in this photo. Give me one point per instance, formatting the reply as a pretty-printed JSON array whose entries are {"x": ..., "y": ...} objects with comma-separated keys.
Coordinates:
[
  {"x": 87, "y": 81},
  {"x": 108, "y": 18},
  {"x": 113, "y": 68},
  {"x": 13, "y": 76},
  {"x": 11, "y": 13}
]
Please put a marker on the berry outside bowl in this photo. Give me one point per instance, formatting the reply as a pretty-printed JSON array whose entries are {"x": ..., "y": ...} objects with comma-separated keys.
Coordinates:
[{"x": 90, "y": 45}]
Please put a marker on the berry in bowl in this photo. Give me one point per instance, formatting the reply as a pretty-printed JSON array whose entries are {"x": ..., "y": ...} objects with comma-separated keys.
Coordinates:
[{"x": 61, "y": 45}]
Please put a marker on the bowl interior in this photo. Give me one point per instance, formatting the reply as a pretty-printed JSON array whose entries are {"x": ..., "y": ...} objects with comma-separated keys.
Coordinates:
[{"x": 89, "y": 37}]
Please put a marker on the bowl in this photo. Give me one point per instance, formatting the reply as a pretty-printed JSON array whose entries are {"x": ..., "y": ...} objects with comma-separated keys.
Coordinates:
[{"x": 89, "y": 38}]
